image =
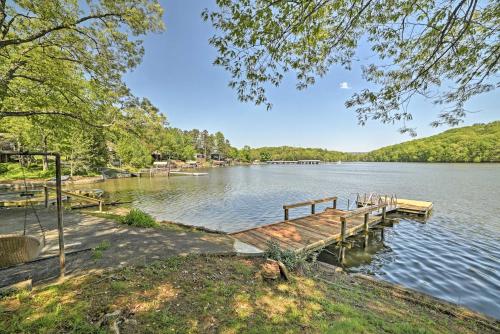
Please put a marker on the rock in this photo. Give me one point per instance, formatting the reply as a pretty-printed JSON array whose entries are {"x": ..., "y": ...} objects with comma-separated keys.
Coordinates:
[
  {"x": 105, "y": 319},
  {"x": 270, "y": 269},
  {"x": 284, "y": 271},
  {"x": 113, "y": 327}
]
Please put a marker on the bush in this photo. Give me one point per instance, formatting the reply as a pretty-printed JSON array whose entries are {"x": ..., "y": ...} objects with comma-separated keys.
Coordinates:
[
  {"x": 291, "y": 260},
  {"x": 139, "y": 218}
]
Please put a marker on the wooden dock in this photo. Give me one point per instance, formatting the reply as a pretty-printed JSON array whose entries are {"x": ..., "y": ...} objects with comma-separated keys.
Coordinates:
[
  {"x": 318, "y": 230},
  {"x": 399, "y": 205}
]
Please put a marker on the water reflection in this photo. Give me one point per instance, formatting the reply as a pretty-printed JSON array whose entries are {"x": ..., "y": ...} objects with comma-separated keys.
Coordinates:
[{"x": 360, "y": 251}]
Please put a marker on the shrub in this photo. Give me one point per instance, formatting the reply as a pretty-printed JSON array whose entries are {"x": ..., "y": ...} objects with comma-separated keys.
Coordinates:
[
  {"x": 292, "y": 260},
  {"x": 139, "y": 218}
]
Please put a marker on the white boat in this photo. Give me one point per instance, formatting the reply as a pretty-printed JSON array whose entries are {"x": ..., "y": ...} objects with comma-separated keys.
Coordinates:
[{"x": 339, "y": 162}]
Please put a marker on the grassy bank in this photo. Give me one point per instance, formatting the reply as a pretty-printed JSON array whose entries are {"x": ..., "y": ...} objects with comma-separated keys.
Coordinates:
[
  {"x": 11, "y": 171},
  {"x": 14, "y": 171},
  {"x": 200, "y": 294}
]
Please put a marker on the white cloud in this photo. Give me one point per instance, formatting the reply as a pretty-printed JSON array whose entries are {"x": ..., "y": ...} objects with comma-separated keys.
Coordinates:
[{"x": 344, "y": 85}]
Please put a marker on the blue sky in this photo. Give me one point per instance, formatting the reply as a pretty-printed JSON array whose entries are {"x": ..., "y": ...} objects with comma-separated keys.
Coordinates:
[{"x": 177, "y": 75}]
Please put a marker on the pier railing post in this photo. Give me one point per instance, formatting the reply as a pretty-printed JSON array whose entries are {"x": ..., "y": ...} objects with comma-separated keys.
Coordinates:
[
  {"x": 313, "y": 208},
  {"x": 342, "y": 240},
  {"x": 366, "y": 228}
]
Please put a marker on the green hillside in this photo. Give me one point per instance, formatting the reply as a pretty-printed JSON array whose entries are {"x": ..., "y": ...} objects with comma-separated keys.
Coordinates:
[
  {"x": 296, "y": 153},
  {"x": 476, "y": 143}
]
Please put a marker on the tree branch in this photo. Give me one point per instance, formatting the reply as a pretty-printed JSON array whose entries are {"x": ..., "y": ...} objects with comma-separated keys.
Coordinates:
[{"x": 44, "y": 32}]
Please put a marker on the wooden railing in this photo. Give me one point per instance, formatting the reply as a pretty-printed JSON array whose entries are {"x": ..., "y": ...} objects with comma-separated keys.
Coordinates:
[
  {"x": 46, "y": 189},
  {"x": 311, "y": 203}
]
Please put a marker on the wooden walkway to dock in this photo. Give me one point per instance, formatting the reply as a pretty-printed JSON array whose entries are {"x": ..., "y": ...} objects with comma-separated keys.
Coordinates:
[{"x": 318, "y": 230}]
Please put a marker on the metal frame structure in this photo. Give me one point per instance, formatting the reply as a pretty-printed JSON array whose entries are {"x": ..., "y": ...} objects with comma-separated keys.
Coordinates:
[{"x": 60, "y": 223}]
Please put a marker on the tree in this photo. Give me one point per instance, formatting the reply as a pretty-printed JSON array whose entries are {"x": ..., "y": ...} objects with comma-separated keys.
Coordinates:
[
  {"x": 446, "y": 51},
  {"x": 66, "y": 57},
  {"x": 265, "y": 156},
  {"x": 245, "y": 154},
  {"x": 221, "y": 144}
]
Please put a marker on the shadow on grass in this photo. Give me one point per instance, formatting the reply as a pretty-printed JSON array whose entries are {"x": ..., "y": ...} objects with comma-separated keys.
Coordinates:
[{"x": 200, "y": 294}]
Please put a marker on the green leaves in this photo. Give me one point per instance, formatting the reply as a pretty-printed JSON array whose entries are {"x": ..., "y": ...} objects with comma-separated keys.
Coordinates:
[
  {"x": 66, "y": 57},
  {"x": 447, "y": 52}
]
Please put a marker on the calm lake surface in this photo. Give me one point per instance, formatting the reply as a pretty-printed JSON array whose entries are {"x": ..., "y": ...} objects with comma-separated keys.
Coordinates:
[{"x": 455, "y": 255}]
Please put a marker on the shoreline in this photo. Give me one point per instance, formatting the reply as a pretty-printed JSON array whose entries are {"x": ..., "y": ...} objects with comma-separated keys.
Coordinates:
[{"x": 76, "y": 180}]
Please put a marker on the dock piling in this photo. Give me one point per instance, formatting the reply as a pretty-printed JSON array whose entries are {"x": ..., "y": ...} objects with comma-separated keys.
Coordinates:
[
  {"x": 313, "y": 209},
  {"x": 286, "y": 213},
  {"x": 342, "y": 240},
  {"x": 365, "y": 229}
]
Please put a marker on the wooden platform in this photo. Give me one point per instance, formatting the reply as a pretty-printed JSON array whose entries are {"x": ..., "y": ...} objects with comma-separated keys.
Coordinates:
[
  {"x": 400, "y": 205},
  {"x": 311, "y": 232},
  {"x": 330, "y": 226}
]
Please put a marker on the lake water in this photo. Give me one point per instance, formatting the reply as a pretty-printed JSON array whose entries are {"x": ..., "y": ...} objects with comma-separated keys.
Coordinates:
[{"x": 455, "y": 255}]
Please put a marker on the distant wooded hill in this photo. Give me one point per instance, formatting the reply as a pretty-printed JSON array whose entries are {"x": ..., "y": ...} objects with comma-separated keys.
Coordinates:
[{"x": 476, "y": 143}]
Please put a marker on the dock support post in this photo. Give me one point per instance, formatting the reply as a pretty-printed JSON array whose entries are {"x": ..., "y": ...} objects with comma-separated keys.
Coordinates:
[
  {"x": 342, "y": 240},
  {"x": 348, "y": 204},
  {"x": 365, "y": 228},
  {"x": 313, "y": 209},
  {"x": 335, "y": 203},
  {"x": 100, "y": 206},
  {"x": 383, "y": 214},
  {"x": 286, "y": 214},
  {"x": 46, "y": 194}
]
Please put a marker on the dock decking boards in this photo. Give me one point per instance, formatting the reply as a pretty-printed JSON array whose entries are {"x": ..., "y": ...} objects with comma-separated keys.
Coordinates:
[
  {"x": 305, "y": 233},
  {"x": 321, "y": 229}
]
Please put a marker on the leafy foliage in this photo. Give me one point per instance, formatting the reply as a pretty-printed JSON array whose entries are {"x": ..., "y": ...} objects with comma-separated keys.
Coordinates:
[
  {"x": 477, "y": 143},
  {"x": 139, "y": 218},
  {"x": 66, "y": 58},
  {"x": 296, "y": 153},
  {"x": 291, "y": 259},
  {"x": 445, "y": 51}
]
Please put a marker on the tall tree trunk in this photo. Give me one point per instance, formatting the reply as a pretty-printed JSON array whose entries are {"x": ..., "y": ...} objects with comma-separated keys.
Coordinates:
[
  {"x": 45, "y": 165},
  {"x": 71, "y": 164}
]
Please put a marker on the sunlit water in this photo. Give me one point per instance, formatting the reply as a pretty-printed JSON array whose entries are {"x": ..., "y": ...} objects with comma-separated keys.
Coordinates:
[{"x": 454, "y": 256}]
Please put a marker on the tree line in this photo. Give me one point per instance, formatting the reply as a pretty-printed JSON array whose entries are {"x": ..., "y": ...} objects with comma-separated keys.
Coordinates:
[
  {"x": 476, "y": 143},
  {"x": 132, "y": 140}
]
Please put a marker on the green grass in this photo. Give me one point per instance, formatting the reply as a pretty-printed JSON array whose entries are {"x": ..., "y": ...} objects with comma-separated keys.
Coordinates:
[
  {"x": 198, "y": 294},
  {"x": 139, "y": 218},
  {"x": 97, "y": 251},
  {"x": 13, "y": 171}
]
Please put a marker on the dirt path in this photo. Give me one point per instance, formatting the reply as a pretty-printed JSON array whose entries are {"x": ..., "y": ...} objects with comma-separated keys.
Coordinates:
[{"x": 120, "y": 245}]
